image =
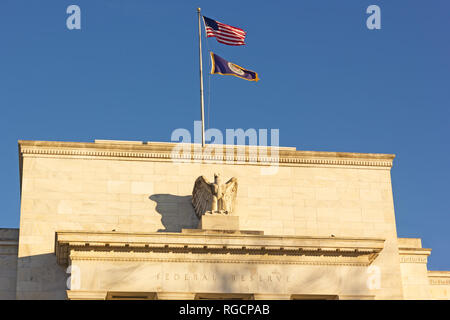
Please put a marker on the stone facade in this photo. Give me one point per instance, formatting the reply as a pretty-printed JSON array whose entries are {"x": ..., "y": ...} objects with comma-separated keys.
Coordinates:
[
  {"x": 321, "y": 224},
  {"x": 9, "y": 240}
]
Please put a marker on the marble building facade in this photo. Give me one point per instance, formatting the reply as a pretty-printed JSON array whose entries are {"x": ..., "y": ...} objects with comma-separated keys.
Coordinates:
[{"x": 115, "y": 220}]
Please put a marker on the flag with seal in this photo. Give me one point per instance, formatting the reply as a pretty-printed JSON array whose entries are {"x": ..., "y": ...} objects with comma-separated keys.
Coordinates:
[{"x": 221, "y": 66}]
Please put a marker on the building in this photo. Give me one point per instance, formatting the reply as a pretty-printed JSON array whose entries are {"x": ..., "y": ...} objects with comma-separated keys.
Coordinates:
[{"x": 115, "y": 220}]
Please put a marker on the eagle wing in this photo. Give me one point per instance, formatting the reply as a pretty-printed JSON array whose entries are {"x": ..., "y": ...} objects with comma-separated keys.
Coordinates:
[
  {"x": 230, "y": 195},
  {"x": 201, "y": 196}
]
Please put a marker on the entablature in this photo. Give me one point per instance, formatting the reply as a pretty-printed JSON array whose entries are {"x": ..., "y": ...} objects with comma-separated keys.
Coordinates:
[
  {"x": 215, "y": 247},
  {"x": 414, "y": 255},
  {"x": 159, "y": 151}
]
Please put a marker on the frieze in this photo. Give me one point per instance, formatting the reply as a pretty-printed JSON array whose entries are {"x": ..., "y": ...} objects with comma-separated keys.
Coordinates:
[
  {"x": 440, "y": 281},
  {"x": 413, "y": 259},
  {"x": 234, "y": 277}
]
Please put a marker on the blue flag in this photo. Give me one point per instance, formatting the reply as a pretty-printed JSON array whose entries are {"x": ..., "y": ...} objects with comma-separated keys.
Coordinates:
[{"x": 224, "y": 67}]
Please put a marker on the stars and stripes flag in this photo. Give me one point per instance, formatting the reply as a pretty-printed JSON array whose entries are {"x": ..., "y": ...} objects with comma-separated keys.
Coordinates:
[{"x": 224, "y": 33}]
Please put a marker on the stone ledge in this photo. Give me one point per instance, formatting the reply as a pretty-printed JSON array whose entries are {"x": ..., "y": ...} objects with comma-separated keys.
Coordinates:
[{"x": 86, "y": 295}]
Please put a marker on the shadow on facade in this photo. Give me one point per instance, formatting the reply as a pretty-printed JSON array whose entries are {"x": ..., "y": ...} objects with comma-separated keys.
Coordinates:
[
  {"x": 176, "y": 212},
  {"x": 40, "y": 277}
]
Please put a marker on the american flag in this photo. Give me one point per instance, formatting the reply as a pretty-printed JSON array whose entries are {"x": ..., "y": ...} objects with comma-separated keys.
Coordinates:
[{"x": 224, "y": 33}]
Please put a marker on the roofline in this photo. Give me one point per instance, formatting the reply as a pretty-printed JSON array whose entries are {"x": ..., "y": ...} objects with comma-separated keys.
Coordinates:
[{"x": 163, "y": 150}]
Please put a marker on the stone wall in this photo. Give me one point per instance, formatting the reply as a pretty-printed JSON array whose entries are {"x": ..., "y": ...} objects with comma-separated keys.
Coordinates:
[{"x": 8, "y": 263}]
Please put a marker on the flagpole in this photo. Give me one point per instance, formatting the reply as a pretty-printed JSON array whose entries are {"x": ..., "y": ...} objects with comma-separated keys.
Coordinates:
[{"x": 201, "y": 77}]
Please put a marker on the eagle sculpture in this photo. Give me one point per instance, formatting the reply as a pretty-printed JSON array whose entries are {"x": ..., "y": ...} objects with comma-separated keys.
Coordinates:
[{"x": 214, "y": 197}]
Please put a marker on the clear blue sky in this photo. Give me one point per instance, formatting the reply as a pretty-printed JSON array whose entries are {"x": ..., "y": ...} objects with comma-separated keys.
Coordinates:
[{"x": 327, "y": 82}]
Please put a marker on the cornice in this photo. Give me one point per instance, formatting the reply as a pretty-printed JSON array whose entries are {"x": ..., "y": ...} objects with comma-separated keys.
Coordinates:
[
  {"x": 215, "y": 248},
  {"x": 226, "y": 154},
  {"x": 435, "y": 273},
  {"x": 414, "y": 251}
]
